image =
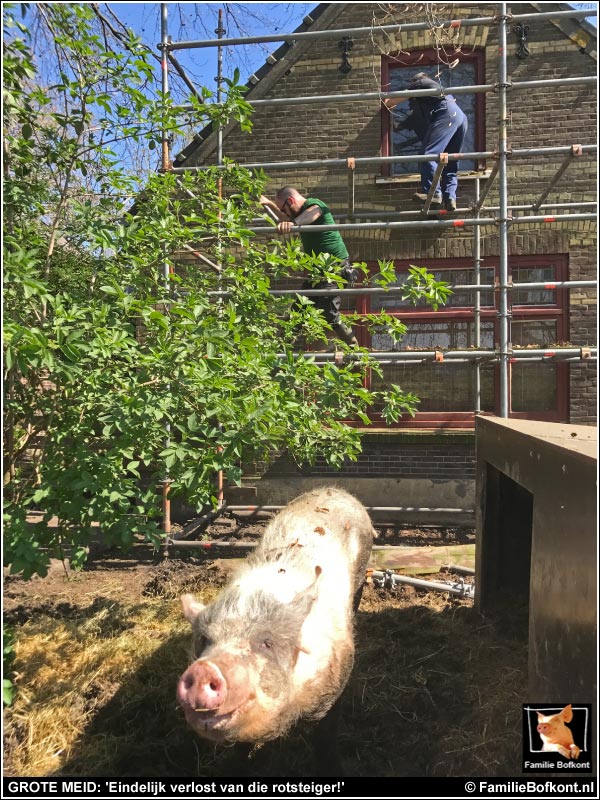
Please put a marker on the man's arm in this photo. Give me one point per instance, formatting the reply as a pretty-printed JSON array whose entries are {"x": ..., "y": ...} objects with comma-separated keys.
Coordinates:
[
  {"x": 307, "y": 217},
  {"x": 392, "y": 102},
  {"x": 271, "y": 208}
]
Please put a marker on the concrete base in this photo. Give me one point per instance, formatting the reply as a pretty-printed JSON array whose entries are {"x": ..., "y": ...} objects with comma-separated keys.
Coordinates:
[
  {"x": 536, "y": 547},
  {"x": 385, "y": 492}
]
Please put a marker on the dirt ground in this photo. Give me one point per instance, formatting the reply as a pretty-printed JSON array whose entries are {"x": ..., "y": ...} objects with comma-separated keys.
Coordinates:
[{"x": 436, "y": 689}]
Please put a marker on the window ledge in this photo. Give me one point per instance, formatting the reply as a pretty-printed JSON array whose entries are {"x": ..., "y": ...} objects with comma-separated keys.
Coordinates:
[{"x": 469, "y": 176}]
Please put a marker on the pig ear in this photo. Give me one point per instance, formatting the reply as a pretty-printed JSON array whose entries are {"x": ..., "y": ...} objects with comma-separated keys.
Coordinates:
[
  {"x": 540, "y": 716},
  {"x": 567, "y": 713},
  {"x": 191, "y": 607}
]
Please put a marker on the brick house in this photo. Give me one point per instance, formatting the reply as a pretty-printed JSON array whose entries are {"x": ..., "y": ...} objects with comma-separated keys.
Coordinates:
[{"x": 429, "y": 460}]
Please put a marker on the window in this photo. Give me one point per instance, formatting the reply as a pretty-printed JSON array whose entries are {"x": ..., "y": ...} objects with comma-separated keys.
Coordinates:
[
  {"x": 539, "y": 390},
  {"x": 395, "y": 74}
]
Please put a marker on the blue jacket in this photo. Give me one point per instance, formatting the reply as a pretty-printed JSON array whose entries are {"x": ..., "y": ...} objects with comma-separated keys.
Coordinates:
[{"x": 424, "y": 109}]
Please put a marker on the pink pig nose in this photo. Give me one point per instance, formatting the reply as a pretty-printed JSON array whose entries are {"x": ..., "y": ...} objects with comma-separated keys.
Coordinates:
[
  {"x": 541, "y": 728},
  {"x": 202, "y": 687}
]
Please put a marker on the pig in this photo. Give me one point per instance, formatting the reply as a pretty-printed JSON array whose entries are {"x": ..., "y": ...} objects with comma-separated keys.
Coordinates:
[
  {"x": 555, "y": 735},
  {"x": 277, "y": 645}
]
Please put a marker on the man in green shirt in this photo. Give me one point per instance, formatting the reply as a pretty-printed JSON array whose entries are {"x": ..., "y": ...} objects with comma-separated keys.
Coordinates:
[{"x": 291, "y": 208}]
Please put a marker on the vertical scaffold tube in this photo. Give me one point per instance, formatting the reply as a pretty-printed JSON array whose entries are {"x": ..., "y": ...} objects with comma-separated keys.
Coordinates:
[
  {"x": 164, "y": 40},
  {"x": 504, "y": 320},
  {"x": 477, "y": 301},
  {"x": 220, "y": 31}
]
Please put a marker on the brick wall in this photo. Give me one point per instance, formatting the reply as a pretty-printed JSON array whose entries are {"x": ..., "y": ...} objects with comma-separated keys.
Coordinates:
[
  {"x": 539, "y": 118},
  {"x": 429, "y": 455}
]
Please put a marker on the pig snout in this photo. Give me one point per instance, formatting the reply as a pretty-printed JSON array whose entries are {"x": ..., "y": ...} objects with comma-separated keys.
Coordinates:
[{"x": 202, "y": 687}]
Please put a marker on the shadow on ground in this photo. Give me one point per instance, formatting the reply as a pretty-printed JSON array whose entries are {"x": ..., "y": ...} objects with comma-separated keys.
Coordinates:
[{"x": 436, "y": 691}]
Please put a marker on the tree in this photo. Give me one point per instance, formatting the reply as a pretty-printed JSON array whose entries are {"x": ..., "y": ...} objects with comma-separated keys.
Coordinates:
[{"x": 123, "y": 370}]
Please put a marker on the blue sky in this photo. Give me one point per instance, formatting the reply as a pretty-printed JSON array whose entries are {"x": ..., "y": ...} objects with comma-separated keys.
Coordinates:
[
  {"x": 193, "y": 21},
  {"x": 189, "y": 21}
]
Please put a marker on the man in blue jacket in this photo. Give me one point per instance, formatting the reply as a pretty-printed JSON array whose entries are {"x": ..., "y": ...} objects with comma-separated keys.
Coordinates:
[{"x": 441, "y": 126}]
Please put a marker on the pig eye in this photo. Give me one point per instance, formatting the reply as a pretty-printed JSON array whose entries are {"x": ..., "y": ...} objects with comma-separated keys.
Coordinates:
[
  {"x": 200, "y": 645},
  {"x": 267, "y": 643}
]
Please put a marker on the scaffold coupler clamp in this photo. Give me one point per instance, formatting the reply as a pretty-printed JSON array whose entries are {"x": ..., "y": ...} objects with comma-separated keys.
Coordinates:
[
  {"x": 586, "y": 353},
  {"x": 508, "y": 218},
  {"x": 464, "y": 589},
  {"x": 498, "y": 285},
  {"x": 508, "y": 86},
  {"x": 384, "y": 580}
]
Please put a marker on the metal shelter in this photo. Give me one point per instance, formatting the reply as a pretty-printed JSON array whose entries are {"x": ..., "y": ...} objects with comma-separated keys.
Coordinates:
[{"x": 502, "y": 217}]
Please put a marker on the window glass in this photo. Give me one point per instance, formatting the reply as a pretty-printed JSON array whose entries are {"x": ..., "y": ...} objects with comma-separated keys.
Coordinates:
[
  {"x": 533, "y": 387},
  {"x": 534, "y": 297},
  {"x": 404, "y": 142},
  {"x": 453, "y": 276},
  {"x": 437, "y": 335},
  {"x": 441, "y": 387},
  {"x": 535, "y": 333}
]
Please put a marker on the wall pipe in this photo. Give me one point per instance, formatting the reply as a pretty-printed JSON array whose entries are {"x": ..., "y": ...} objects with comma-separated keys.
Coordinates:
[
  {"x": 410, "y": 509},
  {"x": 298, "y": 36},
  {"x": 524, "y": 152}
]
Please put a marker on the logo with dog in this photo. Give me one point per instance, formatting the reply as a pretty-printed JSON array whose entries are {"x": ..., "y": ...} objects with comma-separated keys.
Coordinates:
[{"x": 557, "y": 738}]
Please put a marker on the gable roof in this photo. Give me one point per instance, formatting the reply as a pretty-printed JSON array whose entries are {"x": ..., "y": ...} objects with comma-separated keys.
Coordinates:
[
  {"x": 276, "y": 65},
  {"x": 580, "y": 31}
]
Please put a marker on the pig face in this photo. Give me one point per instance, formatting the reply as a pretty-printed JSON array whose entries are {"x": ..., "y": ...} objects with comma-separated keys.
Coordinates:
[
  {"x": 552, "y": 728},
  {"x": 245, "y": 648}
]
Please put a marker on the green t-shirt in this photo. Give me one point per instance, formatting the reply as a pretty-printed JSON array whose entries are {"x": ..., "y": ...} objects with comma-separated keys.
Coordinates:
[{"x": 322, "y": 241}]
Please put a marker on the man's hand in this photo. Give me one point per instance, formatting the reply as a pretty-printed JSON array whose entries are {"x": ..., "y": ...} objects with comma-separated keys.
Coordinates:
[
  {"x": 285, "y": 227},
  {"x": 264, "y": 200},
  {"x": 392, "y": 102}
]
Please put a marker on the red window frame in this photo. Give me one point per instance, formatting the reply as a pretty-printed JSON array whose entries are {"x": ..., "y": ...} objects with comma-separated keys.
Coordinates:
[
  {"x": 425, "y": 58},
  {"x": 557, "y": 311}
]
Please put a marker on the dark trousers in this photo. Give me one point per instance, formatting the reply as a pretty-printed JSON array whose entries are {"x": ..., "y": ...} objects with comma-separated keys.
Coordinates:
[
  {"x": 446, "y": 134},
  {"x": 331, "y": 305}
]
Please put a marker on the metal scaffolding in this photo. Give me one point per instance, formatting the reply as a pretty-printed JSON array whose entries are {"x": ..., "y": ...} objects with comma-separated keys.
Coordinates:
[
  {"x": 504, "y": 355},
  {"x": 298, "y": 36}
]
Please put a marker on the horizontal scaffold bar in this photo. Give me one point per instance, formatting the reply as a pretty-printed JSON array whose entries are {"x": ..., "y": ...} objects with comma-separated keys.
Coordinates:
[
  {"x": 463, "y": 210},
  {"x": 376, "y": 290},
  {"x": 488, "y": 361},
  {"x": 430, "y": 223},
  {"x": 454, "y": 90},
  {"x": 526, "y": 152},
  {"x": 440, "y": 356},
  {"x": 337, "y": 33}
]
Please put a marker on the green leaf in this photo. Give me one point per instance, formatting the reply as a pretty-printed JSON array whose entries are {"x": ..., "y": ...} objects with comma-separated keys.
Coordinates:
[{"x": 8, "y": 692}]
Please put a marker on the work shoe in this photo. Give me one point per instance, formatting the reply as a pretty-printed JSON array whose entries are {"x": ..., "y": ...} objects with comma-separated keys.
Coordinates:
[
  {"x": 421, "y": 197},
  {"x": 450, "y": 204}
]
